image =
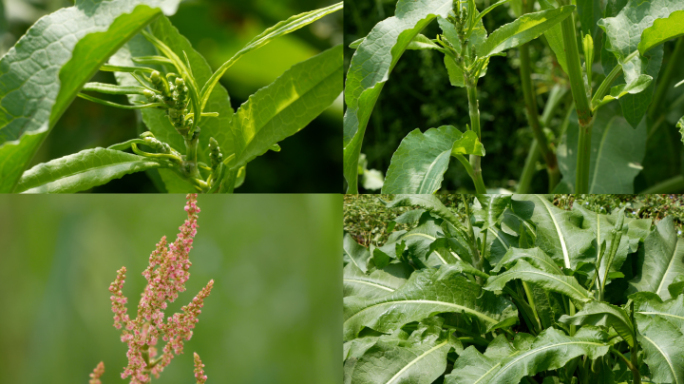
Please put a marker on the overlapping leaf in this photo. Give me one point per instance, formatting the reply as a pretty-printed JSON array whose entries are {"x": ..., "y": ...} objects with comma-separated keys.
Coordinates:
[
  {"x": 370, "y": 286},
  {"x": 428, "y": 292},
  {"x": 418, "y": 165},
  {"x": 663, "y": 260},
  {"x": 603, "y": 314},
  {"x": 42, "y": 74},
  {"x": 371, "y": 66}
]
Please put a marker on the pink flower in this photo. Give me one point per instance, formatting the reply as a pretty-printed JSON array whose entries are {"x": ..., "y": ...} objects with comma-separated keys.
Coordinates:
[
  {"x": 199, "y": 370},
  {"x": 97, "y": 373},
  {"x": 166, "y": 276}
]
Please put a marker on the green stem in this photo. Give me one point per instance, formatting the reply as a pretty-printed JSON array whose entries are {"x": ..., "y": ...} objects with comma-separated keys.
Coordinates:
[
  {"x": 190, "y": 167},
  {"x": 530, "y": 299},
  {"x": 673, "y": 185},
  {"x": 229, "y": 181},
  {"x": 474, "y": 111},
  {"x": 529, "y": 168},
  {"x": 635, "y": 349},
  {"x": 532, "y": 110},
  {"x": 573, "y": 328},
  {"x": 581, "y": 103},
  {"x": 664, "y": 84}
]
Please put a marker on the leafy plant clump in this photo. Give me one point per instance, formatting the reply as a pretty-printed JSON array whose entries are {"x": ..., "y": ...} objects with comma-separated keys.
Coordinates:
[
  {"x": 166, "y": 276},
  {"x": 601, "y": 145},
  {"x": 515, "y": 290},
  {"x": 195, "y": 139}
]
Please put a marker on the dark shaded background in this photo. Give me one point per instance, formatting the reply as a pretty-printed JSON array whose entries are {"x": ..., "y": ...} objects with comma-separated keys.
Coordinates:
[
  {"x": 418, "y": 95},
  {"x": 310, "y": 161},
  {"x": 273, "y": 316}
]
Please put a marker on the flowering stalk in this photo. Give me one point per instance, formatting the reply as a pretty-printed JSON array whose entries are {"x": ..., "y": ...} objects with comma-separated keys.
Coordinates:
[
  {"x": 166, "y": 276},
  {"x": 97, "y": 373},
  {"x": 199, "y": 370}
]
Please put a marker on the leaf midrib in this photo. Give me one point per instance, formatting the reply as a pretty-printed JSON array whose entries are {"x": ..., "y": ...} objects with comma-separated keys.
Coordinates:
[
  {"x": 665, "y": 356},
  {"x": 465, "y": 309},
  {"x": 564, "y": 248},
  {"x": 414, "y": 361},
  {"x": 370, "y": 283},
  {"x": 552, "y": 277},
  {"x": 669, "y": 265},
  {"x": 422, "y": 186}
]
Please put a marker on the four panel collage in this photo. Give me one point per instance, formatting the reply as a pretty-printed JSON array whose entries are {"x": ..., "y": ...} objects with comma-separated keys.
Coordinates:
[{"x": 342, "y": 192}]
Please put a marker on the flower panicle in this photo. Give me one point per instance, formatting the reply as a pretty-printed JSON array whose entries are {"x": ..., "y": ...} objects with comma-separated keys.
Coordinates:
[
  {"x": 166, "y": 275},
  {"x": 97, "y": 373},
  {"x": 200, "y": 377}
]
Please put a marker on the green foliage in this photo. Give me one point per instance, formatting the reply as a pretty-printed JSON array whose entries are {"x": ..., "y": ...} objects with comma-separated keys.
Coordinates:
[
  {"x": 577, "y": 295},
  {"x": 163, "y": 75}
]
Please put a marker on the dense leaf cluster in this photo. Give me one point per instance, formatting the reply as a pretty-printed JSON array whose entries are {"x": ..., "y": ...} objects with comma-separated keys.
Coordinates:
[{"x": 512, "y": 290}]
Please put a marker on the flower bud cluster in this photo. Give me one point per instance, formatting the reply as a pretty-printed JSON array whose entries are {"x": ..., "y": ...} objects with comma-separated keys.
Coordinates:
[
  {"x": 200, "y": 377},
  {"x": 166, "y": 276},
  {"x": 98, "y": 372},
  {"x": 215, "y": 153},
  {"x": 174, "y": 96}
]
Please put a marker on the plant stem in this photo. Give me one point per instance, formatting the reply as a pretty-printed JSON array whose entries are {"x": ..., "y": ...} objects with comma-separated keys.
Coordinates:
[
  {"x": 530, "y": 299},
  {"x": 532, "y": 110},
  {"x": 581, "y": 103},
  {"x": 673, "y": 185},
  {"x": 190, "y": 163},
  {"x": 635, "y": 349},
  {"x": 529, "y": 168},
  {"x": 474, "y": 111},
  {"x": 664, "y": 83}
]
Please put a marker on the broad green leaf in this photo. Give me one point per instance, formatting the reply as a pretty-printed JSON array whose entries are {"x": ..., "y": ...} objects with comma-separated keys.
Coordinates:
[
  {"x": 463, "y": 267},
  {"x": 589, "y": 13},
  {"x": 421, "y": 42},
  {"x": 617, "y": 152},
  {"x": 623, "y": 35},
  {"x": 418, "y": 165},
  {"x": 287, "y": 105},
  {"x": 552, "y": 349},
  {"x": 357, "y": 253},
  {"x": 430, "y": 203},
  {"x": 156, "y": 120},
  {"x": 42, "y": 74},
  {"x": 498, "y": 243},
  {"x": 524, "y": 29},
  {"x": 554, "y": 37},
  {"x": 647, "y": 305},
  {"x": 662, "y": 30},
  {"x": 375, "y": 284},
  {"x": 602, "y": 226},
  {"x": 661, "y": 336},
  {"x": 491, "y": 209},
  {"x": 603, "y": 314},
  {"x": 419, "y": 360},
  {"x": 566, "y": 285},
  {"x": 663, "y": 260},
  {"x": 559, "y": 232},
  {"x": 82, "y": 171},
  {"x": 428, "y": 292},
  {"x": 282, "y": 28},
  {"x": 535, "y": 256},
  {"x": 371, "y": 66}
]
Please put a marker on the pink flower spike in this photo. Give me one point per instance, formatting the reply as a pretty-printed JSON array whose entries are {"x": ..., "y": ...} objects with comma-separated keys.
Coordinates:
[
  {"x": 97, "y": 373},
  {"x": 199, "y": 370}
]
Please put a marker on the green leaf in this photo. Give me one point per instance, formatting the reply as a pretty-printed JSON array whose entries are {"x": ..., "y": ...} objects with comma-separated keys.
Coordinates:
[
  {"x": 552, "y": 349},
  {"x": 559, "y": 232},
  {"x": 82, "y": 171},
  {"x": 623, "y": 33},
  {"x": 478, "y": 36},
  {"x": 617, "y": 152},
  {"x": 430, "y": 203},
  {"x": 420, "y": 359},
  {"x": 603, "y": 314},
  {"x": 357, "y": 253},
  {"x": 421, "y": 42},
  {"x": 566, "y": 285},
  {"x": 282, "y": 28},
  {"x": 524, "y": 29},
  {"x": 661, "y": 31},
  {"x": 370, "y": 286},
  {"x": 418, "y": 165},
  {"x": 554, "y": 37},
  {"x": 371, "y": 66},
  {"x": 287, "y": 105},
  {"x": 663, "y": 260},
  {"x": 589, "y": 13},
  {"x": 157, "y": 121},
  {"x": 491, "y": 209},
  {"x": 534, "y": 256},
  {"x": 638, "y": 85},
  {"x": 661, "y": 336},
  {"x": 428, "y": 292},
  {"x": 42, "y": 74}
]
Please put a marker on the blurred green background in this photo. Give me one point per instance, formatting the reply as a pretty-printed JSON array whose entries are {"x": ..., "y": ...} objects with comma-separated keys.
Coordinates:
[
  {"x": 273, "y": 316},
  {"x": 419, "y": 95},
  {"x": 310, "y": 161}
]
